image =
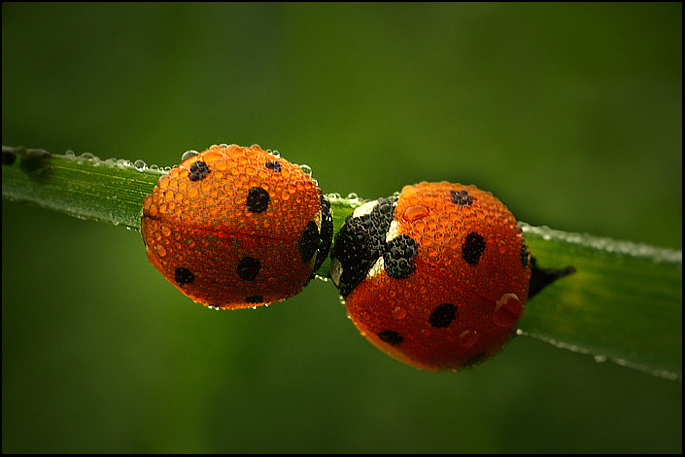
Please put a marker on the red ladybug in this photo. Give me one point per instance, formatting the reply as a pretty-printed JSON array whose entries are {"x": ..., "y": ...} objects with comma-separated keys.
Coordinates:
[
  {"x": 235, "y": 227},
  {"x": 437, "y": 277}
]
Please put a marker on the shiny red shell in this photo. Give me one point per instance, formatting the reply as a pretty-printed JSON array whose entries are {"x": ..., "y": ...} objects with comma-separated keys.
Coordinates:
[
  {"x": 448, "y": 292},
  {"x": 234, "y": 227}
]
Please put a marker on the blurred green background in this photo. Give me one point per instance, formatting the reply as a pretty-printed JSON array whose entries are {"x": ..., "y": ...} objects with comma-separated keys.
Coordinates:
[{"x": 570, "y": 113}]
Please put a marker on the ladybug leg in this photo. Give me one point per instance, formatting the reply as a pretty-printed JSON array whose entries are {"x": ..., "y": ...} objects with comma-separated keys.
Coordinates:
[{"x": 543, "y": 277}]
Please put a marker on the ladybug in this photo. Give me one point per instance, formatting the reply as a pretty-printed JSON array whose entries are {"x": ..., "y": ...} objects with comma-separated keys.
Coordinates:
[
  {"x": 236, "y": 227},
  {"x": 437, "y": 277}
]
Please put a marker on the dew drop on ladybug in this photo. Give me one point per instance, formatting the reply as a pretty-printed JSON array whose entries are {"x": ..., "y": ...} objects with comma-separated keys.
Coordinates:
[
  {"x": 236, "y": 227},
  {"x": 437, "y": 277}
]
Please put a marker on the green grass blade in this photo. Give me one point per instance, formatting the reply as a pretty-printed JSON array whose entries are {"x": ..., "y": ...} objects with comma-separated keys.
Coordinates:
[
  {"x": 623, "y": 304},
  {"x": 85, "y": 186}
]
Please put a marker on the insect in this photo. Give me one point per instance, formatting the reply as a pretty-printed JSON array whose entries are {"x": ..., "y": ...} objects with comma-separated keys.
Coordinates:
[
  {"x": 235, "y": 227},
  {"x": 437, "y": 277}
]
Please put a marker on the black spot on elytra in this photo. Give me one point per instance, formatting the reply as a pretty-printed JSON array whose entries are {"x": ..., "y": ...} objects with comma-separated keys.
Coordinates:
[
  {"x": 473, "y": 247},
  {"x": 248, "y": 268},
  {"x": 198, "y": 171},
  {"x": 257, "y": 200},
  {"x": 183, "y": 276},
  {"x": 461, "y": 198},
  {"x": 254, "y": 299},
  {"x": 443, "y": 315},
  {"x": 391, "y": 337},
  {"x": 398, "y": 255},
  {"x": 274, "y": 165}
]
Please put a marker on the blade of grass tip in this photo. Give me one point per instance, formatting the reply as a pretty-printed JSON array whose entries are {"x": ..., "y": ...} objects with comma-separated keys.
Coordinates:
[{"x": 623, "y": 304}]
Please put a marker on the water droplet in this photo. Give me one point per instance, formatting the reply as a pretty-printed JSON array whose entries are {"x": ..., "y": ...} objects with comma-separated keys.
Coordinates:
[
  {"x": 415, "y": 212},
  {"x": 188, "y": 154},
  {"x": 600, "y": 358},
  {"x": 502, "y": 247},
  {"x": 508, "y": 310},
  {"x": 140, "y": 165},
  {"x": 161, "y": 250},
  {"x": 398, "y": 312},
  {"x": 123, "y": 163},
  {"x": 468, "y": 338},
  {"x": 306, "y": 169}
]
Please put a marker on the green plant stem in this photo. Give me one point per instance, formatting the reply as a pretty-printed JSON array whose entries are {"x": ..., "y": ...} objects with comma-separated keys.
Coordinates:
[{"x": 623, "y": 304}]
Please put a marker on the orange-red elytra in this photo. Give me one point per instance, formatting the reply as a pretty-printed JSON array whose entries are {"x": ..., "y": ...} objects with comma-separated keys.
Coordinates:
[
  {"x": 437, "y": 277},
  {"x": 236, "y": 227}
]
